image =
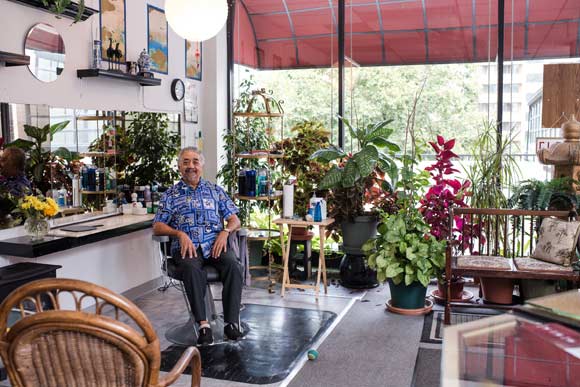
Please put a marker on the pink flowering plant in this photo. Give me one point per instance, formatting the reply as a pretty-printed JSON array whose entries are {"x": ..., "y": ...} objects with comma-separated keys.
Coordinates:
[{"x": 446, "y": 192}]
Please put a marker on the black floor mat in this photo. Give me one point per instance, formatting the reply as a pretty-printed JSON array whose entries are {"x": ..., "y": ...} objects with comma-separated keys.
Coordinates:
[{"x": 277, "y": 339}]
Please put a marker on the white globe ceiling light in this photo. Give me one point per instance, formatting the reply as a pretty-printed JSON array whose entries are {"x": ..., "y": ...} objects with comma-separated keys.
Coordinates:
[{"x": 196, "y": 20}]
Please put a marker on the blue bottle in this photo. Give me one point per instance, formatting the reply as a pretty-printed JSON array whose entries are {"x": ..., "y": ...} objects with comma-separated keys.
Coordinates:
[{"x": 318, "y": 213}]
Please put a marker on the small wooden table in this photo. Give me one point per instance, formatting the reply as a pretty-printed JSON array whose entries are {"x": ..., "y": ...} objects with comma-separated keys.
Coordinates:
[{"x": 286, "y": 252}]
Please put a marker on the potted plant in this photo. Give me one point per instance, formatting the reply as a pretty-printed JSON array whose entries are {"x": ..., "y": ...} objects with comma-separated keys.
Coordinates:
[
  {"x": 445, "y": 193},
  {"x": 358, "y": 188},
  {"x": 41, "y": 164},
  {"x": 493, "y": 170},
  {"x": 352, "y": 177},
  {"x": 407, "y": 255}
]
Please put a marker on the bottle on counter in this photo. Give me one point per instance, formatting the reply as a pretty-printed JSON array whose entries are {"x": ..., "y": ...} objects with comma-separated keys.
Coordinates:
[
  {"x": 242, "y": 189},
  {"x": 154, "y": 199},
  {"x": 76, "y": 191},
  {"x": 61, "y": 198},
  {"x": 147, "y": 198}
]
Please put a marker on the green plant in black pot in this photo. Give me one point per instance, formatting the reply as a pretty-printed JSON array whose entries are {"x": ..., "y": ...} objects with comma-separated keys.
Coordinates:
[
  {"x": 308, "y": 137},
  {"x": 354, "y": 179}
]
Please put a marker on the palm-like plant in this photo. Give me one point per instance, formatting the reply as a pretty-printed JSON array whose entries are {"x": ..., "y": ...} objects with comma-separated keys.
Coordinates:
[{"x": 372, "y": 142}]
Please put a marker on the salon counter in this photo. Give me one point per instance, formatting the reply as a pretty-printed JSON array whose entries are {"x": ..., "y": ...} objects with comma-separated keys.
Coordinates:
[{"x": 119, "y": 253}]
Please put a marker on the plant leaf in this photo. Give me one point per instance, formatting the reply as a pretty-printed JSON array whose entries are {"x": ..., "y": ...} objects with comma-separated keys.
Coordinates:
[
  {"x": 328, "y": 154},
  {"x": 332, "y": 179}
]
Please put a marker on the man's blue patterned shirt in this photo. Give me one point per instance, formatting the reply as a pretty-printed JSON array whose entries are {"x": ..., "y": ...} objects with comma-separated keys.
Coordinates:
[{"x": 198, "y": 212}]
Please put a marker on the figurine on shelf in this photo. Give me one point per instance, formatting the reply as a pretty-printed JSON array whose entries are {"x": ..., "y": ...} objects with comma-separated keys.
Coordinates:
[
  {"x": 118, "y": 55},
  {"x": 144, "y": 63},
  {"x": 110, "y": 52}
]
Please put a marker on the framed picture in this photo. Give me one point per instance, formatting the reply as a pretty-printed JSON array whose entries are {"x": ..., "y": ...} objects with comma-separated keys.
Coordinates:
[
  {"x": 113, "y": 26},
  {"x": 193, "y": 60},
  {"x": 157, "y": 39},
  {"x": 191, "y": 104}
]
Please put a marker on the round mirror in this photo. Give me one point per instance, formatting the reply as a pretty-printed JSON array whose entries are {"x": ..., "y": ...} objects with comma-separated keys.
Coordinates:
[{"x": 45, "y": 47}]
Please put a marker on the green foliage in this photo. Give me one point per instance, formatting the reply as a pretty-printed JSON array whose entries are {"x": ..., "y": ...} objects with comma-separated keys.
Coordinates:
[
  {"x": 449, "y": 102},
  {"x": 308, "y": 136},
  {"x": 39, "y": 160},
  {"x": 405, "y": 250},
  {"x": 540, "y": 195},
  {"x": 59, "y": 6},
  {"x": 153, "y": 149},
  {"x": 493, "y": 170},
  {"x": 375, "y": 150}
]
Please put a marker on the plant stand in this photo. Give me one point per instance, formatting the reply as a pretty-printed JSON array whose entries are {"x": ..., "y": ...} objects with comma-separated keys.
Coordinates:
[{"x": 356, "y": 274}]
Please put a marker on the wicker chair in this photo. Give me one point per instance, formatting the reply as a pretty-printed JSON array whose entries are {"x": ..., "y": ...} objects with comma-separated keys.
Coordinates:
[{"x": 111, "y": 344}]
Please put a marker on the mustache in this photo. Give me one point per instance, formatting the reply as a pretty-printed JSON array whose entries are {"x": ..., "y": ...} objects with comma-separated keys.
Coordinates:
[{"x": 189, "y": 170}]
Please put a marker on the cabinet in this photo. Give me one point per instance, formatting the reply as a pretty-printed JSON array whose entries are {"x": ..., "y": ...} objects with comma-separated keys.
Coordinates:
[
  {"x": 258, "y": 124},
  {"x": 98, "y": 175}
]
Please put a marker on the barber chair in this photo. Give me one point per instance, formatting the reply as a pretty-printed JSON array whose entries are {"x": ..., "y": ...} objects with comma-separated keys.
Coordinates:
[{"x": 186, "y": 334}]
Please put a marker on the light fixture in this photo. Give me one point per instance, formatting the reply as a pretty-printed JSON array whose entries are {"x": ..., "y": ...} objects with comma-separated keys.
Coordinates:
[{"x": 196, "y": 20}]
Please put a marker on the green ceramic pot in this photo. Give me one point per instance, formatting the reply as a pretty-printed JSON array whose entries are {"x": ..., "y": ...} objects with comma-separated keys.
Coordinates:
[{"x": 407, "y": 296}]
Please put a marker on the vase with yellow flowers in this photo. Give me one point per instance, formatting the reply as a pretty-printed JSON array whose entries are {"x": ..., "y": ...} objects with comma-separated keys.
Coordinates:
[{"x": 37, "y": 210}]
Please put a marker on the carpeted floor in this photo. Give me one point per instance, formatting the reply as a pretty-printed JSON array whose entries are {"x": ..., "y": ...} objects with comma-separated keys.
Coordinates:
[
  {"x": 369, "y": 347},
  {"x": 427, "y": 371}
]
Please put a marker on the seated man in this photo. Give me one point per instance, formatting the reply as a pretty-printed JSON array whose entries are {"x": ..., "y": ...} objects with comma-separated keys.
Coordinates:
[
  {"x": 191, "y": 212},
  {"x": 12, "y": 165}
]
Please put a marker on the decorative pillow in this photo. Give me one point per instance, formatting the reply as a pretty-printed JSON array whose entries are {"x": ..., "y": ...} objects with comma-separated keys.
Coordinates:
[{"x": 557, "y": 241}]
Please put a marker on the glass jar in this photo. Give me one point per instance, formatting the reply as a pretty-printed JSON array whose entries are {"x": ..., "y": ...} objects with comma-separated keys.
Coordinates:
[{"x": 36, "y": 228}]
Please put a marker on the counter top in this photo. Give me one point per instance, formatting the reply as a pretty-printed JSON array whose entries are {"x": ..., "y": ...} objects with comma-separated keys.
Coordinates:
[{"x": 58, "y": 240}]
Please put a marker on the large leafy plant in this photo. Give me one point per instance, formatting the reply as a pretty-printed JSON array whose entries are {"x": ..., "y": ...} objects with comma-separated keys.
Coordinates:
[
  {"x": 42, "y": 165},
  {"x": 405, "y": 250},
  {"x": 153, "y": 148},
  {"x": 541, "y": 195},
  {"x": 360, "y": 179}
]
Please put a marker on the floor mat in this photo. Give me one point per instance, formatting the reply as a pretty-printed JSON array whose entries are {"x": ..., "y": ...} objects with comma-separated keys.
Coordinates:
[
  {"x": 433, "y": 324},
  {"x": 427, "y": 371},
  {"x": 276, "y": 342}
]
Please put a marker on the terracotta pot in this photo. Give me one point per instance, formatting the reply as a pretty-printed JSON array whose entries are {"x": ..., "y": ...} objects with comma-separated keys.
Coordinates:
[
  {"x": 299, "y": 231},
  {"x": 456, "y": 288},
  {"x": 497, "y": 290}
]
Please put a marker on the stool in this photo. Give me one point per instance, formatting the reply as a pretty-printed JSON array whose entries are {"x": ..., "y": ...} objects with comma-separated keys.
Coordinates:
[{"x": 305, "y": 241}]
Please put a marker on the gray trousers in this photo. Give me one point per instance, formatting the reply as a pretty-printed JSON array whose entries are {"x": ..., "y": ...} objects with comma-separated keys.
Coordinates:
[{"x": 195, "y": 283}]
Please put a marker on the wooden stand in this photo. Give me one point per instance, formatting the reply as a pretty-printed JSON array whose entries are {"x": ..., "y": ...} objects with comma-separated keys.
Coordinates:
[{"x": 286, "y": 253}]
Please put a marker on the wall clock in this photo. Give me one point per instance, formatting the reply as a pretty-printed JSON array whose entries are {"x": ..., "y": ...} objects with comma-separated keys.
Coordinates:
[{"x": 177, "y": 89}]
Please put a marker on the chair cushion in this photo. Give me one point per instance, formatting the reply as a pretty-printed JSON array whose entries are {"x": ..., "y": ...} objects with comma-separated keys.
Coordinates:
[
  {"x": 489, "y": 262},
  {"x": 557, "y": 241},
  {"x": 532, "y": 264}
]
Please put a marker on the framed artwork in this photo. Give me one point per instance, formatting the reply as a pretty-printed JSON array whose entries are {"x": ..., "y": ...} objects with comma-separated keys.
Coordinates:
[
  {"x": 113, "y": 26},
  {"x": 191, "y": 104},
  {"x": 193, "y": 60},
  {"x": 157, "y": 39}
]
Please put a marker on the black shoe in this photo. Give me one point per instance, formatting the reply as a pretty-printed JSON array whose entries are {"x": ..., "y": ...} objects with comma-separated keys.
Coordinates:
[
  {"x": 205, "y": 336},
  {"x": 232, "y": 332}
]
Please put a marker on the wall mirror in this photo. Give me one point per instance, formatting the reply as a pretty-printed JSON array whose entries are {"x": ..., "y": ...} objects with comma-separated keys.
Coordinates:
[{"x": 45, "y": 47}]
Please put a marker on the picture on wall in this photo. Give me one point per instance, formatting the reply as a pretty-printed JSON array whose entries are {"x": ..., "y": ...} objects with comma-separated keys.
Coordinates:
[
  {"x": 193, "y": 60},
  {"x": 157, "y": 45},
  {"x": 113, "y": 26},
  {"x": 191, "y": 105}
]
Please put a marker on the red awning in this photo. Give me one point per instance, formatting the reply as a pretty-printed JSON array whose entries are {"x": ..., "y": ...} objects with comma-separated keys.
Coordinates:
[{"x": 284, "y": 34}]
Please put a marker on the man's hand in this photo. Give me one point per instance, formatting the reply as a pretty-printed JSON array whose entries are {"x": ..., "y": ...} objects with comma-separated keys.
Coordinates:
[
  {"x": 187, "y": 247},
  {"x": 220, "y": 244}
]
